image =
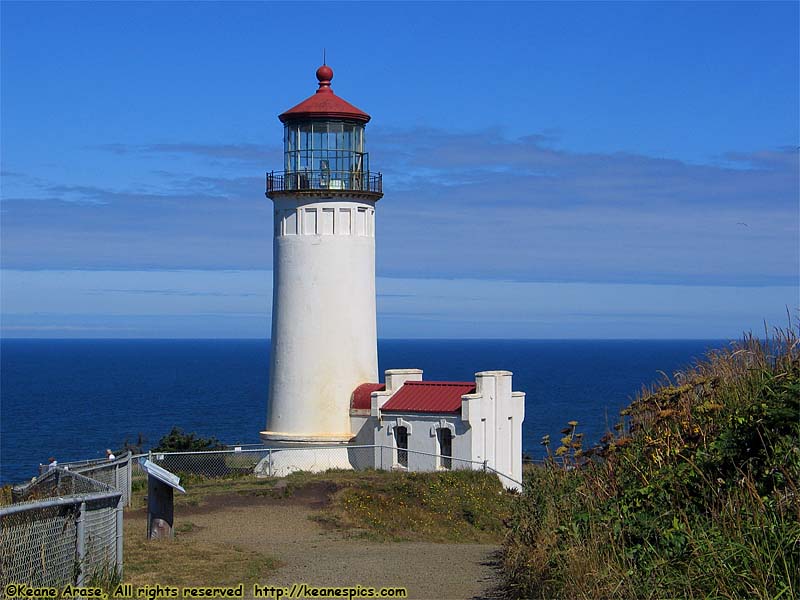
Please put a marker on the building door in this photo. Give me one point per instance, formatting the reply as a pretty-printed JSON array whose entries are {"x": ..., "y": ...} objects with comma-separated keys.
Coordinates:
[
  {"x": 401, "y": 438},
  {"x": 445, "y": 448}
]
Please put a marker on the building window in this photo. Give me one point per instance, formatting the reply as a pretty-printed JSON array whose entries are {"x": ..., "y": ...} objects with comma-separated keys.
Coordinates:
[
  {"x": 401, "y": 439},
  {"x": 361, "y": 221},
  {"x": 345, "y": 222},
  {"x": 445, "y": 437},
  {"x": 290, "y": 227},
  {"x": 328, "y": 215},
  {"x": 310, "y": 225},
  {"x": 325, "y": 155}
]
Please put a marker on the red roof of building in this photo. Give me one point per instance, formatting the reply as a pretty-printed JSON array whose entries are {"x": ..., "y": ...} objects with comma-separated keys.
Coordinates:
[
  {"x": 362, "y": 395},
  {"x": 429, "y": 396},
  {"x": 324, "y": 104}
]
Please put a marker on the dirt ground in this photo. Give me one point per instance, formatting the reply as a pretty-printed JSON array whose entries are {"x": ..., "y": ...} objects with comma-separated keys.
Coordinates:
[{"x": 312, "y": 553}]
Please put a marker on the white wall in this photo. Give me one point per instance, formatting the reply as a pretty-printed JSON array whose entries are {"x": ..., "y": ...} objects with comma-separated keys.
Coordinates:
[
  {"x": 324, "y": 341},
  {"x": 422, "y": 438},
  {"x": 365, "y": 432}
]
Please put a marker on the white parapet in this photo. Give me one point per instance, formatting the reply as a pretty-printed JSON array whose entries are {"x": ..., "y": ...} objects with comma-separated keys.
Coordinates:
[
  {"x": 324, "y": 341},
  {"x": 395, "y": 378}
]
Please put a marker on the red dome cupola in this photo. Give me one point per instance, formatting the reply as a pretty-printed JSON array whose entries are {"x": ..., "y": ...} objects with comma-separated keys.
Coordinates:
[
  {"x": 323, "y": 147},
  {"x": 324, "y": 104}
]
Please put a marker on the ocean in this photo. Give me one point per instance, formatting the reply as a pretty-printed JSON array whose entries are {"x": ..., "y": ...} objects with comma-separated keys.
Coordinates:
[{"x": 72, "y": 399}]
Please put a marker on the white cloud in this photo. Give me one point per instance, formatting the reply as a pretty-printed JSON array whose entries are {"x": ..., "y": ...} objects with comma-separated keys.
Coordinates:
[{"x": 238, "y": 304}]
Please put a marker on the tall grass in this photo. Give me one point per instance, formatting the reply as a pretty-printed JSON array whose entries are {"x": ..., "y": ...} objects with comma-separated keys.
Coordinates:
[{"x": 694, "y": 495}]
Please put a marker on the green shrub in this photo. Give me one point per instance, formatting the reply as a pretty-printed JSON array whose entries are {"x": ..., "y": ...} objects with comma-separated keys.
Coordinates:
[{"x": 178, "y": 441}]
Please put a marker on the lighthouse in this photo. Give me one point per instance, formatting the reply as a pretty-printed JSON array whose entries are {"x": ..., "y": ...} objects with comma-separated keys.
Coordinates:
[
  {"x": 327, "y": 407},
  {"x": 324, "y": 341}
]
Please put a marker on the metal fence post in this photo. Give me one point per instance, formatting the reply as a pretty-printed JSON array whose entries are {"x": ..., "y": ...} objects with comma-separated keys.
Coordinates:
[
  {"x": 80, "y": 527},
  {"x": 129, "y": 483},
  {"x": 120, "y": 533}
]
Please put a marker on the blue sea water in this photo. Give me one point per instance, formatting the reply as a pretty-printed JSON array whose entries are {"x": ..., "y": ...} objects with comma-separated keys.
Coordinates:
[{"x": 73, "y": 398}]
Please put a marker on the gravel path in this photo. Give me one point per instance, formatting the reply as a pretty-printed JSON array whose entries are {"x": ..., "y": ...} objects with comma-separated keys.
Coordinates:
[{"x": 316, "y": 555}]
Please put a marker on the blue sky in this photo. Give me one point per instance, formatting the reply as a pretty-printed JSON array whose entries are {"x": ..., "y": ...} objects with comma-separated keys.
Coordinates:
[{"x": 550, "y": 170}]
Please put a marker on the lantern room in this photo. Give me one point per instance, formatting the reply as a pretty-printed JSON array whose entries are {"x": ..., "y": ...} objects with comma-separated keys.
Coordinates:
[{"x": 324, "y": 150}]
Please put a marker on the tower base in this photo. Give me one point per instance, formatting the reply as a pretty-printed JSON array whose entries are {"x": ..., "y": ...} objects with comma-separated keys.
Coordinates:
[{"x": 312, "y": 459}]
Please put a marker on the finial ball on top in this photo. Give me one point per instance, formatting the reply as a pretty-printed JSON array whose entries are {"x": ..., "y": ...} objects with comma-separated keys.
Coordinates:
[{"x": 324, "y": 73}]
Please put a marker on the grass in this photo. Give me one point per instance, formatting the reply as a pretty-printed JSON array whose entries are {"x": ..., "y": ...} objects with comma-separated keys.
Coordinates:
[
  {"x": 185, "y": 561},
  {"x": 456, "y": 506},
  {"x": 439, "y": 507},
  {"x": 200, "y": 488},
  {"x": 694, "y": 495}
]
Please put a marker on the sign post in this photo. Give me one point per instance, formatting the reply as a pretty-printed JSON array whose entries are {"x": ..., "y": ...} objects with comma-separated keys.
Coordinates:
[{"x": 160, "y": 488}]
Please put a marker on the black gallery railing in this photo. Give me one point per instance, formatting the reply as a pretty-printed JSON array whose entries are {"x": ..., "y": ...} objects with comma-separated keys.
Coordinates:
[{"x": 298, "y": 181}]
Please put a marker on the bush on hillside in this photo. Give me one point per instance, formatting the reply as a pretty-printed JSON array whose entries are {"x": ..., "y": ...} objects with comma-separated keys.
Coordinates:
[
  {"x": 178, "y": 441},
  {"x": 188, "y": 465},
  {"x": 134, "y": 447},
  {"x": 694, "y": 495}
]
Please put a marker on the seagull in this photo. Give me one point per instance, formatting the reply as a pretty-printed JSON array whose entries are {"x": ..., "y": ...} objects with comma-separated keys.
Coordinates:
[{"x": 745, "y": 224}]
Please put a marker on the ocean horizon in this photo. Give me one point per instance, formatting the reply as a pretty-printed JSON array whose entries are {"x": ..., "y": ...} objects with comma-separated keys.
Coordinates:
[{"x": 73, "y": 398}]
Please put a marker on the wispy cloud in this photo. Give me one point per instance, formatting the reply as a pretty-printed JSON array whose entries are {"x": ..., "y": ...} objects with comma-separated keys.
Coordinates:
[
  {"x": 174, "y": 292},
  {"x": 214, "y": 222},
  {"x": 524, "y": 210},
  {"x": 238, "y": 304},
  {"x": 471, "y": 167},
  {"x": 56, "y": 328},
  {"x": 457, "y": 205},
  {"x": 250, "y": 153}
]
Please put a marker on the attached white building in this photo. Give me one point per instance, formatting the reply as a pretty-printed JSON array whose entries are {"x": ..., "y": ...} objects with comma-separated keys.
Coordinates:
[{"x": 438, "y": 425}]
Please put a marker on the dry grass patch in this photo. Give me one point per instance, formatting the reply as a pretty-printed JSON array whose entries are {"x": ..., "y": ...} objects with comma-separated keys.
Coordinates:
[
  {"x": 186, "y": 561},
  {"x": 198, "y": 489},
  {"x": 5, "y": 495},
  {"x": 457, "y": 506}
]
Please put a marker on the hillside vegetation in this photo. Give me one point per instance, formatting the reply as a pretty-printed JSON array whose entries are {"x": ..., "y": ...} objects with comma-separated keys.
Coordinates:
[
  {"x": 694, "y": 495},
  {"x": 446, "y": 506}
]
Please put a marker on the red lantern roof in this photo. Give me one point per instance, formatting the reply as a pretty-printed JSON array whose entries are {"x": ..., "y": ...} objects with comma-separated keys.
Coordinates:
[{"x": 324, "y": 104}]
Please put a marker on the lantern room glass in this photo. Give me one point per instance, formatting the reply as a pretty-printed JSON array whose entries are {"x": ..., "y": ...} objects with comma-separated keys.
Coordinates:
[{"x": 328, "y": 152}]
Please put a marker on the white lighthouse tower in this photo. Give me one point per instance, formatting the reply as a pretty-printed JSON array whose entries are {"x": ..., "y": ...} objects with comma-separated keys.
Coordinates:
[{"x": 324, "y": 341}]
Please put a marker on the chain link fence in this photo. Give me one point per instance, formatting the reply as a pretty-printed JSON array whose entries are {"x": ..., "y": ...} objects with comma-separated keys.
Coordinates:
[
  {"x": 280, "y": 462},
  {"x": 62, "y": 528},
  {"x": 117, "y": 473},
  {"x": 126, "y": 474}
]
